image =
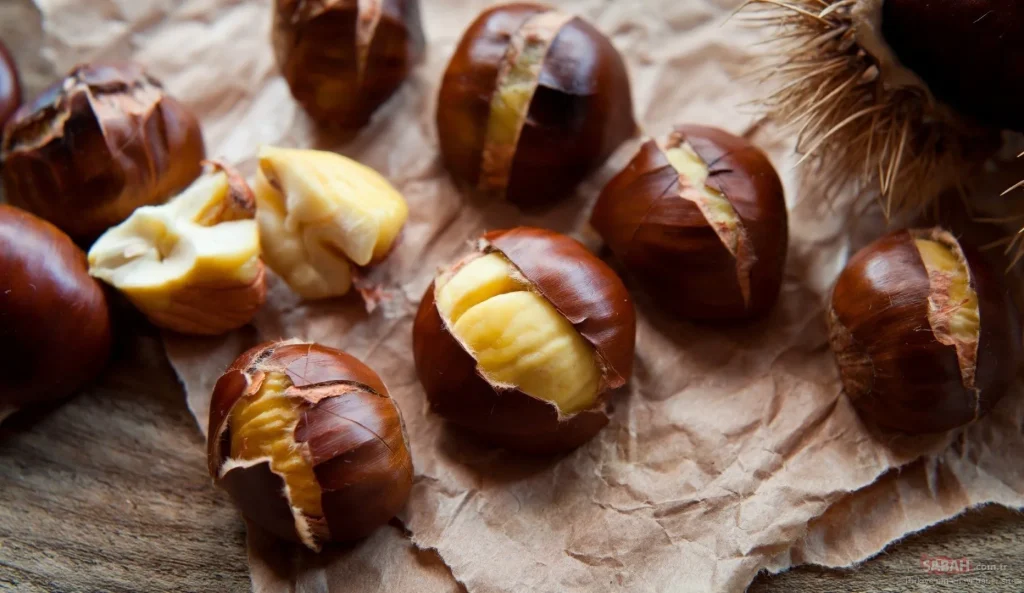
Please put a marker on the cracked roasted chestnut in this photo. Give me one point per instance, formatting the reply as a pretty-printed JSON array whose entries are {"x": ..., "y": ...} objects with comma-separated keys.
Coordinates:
[
  {"x": 343, "y": 59},
  {"x": 925, "y": 334},
  {"x": 700, "y": 220},
  {"x": 532, "y": 100},
  {"x": 308, "y": 443},
  {"x": 520, "y": 341},
  {"x": 96, "y": 146}
]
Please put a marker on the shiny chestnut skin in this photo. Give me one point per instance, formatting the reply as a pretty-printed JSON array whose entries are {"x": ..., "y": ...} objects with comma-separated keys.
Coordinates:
[
  {"x": 55, "y": 334},
  {"x": 896, "y": 372},
  {"x": 667, "y": 244},
  {"x": 581, "y": 111},
  {"x": 95, "y": 146},
  {"x": 981, "y": 74},
  {"x": 586, "y": 292},
  {"x": 351, "y": 431},
  {"x": 10, "y": 86},
  {"x": 339, "y": 65}
]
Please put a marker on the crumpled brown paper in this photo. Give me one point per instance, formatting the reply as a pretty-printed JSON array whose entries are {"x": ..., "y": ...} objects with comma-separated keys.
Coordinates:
[{"x": 732, "y": 450}]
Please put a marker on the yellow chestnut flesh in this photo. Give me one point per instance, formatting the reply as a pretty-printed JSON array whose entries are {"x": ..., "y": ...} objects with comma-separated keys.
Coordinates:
[
  {"x": 952, "y": 303},
  {"x": 713, "y": 205},
  {"x": 517, "y": 337},
  {"x": 263, "y": 426},
  {"x": 160, "y": 251},
  {"x": 320, "y": 214},
  {"x": 517, "y": 82}
]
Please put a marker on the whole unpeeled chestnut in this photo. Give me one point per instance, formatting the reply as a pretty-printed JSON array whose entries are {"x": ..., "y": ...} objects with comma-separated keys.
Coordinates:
[
  {"x": 925, "y": 334},
  {"x": 10, "y": 87},
  {"x": 519, "y": 341},
  {"x": 532, "y": 100},
  {"x": 342, "y": 58},
  {"x": 308, "y": 443},
  {"x": 700, "y": 220},
  {"x": 54, "y": 323},
  {"x": 96, "y": 146}
]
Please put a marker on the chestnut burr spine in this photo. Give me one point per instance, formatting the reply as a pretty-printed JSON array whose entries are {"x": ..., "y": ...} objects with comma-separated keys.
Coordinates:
[{"x": 860, "y": 133}]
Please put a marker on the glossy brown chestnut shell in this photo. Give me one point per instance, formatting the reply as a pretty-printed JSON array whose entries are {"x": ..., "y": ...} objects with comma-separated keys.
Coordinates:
[
  {"x": 895, "y": 369},
  {"x": 343, "y": 58},
  {"x": 664, "y": 239},
  {"x": 10, "y": 86},
  {"x": 96, "y": 146},
  {"x": 349, "y": 429},
  {"x": 586, "y": 292},
  {"x": 982, "y": 73},
  {"x": 580, "y": 111},
  {"x": 55, "y": 329}
]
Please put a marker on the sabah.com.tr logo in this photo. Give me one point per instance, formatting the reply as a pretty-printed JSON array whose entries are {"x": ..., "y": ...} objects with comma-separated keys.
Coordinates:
[{"x": 944, "y": 565}]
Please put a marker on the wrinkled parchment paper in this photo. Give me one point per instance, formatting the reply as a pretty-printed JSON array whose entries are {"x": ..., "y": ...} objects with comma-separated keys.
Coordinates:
[{"x": 731, "y": 451}]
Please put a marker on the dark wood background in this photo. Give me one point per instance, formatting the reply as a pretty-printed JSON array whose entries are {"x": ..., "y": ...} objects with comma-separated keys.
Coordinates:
[{"x": 109, "y": 491}]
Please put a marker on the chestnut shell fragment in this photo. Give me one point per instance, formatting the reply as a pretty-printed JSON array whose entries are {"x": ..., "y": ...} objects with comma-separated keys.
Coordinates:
[
  {"x": 583, "y": 289},
  {"x": 97, "y": 145},
  {"x": 666, "y": 242},
  {"x": 354, "y": 432},
  {"x": 581, "y": 111},
  {"x": 894, "y": 370},
  {"x": 339, "y": 77},
  {"x": 55, "y": 329}
]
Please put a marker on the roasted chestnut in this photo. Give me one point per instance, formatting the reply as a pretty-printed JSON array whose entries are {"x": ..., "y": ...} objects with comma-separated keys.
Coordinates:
[
  {"x": 10, "y": 87},
  {"x": 700, "y": 220},
  {"x": 926, "y": 336},
  {"x": 532, "y": 100},
  {"x": 322, "y": 215},
  {"x": 343, "y": 59},
  {"x": 898, "y": 98},
  {"x": 191, "y": 265},
  {"x": 308, "y": 443},
  {"x": 519, "y": 341},
  {"x": 55, "y": 333},
  {"x": 96, "y": 146}
]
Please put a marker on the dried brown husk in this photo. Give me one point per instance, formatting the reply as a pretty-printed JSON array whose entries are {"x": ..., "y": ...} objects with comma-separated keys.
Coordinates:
[{"x": 866, "y": 126}]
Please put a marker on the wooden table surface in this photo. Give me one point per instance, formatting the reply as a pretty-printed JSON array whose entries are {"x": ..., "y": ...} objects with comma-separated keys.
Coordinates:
[{"x": 109, "y": 491}]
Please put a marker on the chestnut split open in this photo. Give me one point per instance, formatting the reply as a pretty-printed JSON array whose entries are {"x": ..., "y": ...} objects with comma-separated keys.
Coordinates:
[
  {"x": 486, "y": 351},
  {"x": 308, "y": 443}
]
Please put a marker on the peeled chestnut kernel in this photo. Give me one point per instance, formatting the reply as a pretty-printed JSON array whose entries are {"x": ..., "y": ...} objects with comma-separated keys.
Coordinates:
[
  {"x": 343, "y": 59},
  {"x": 520, "y": 340},
  {"x": 700, "y": 220},
  {"x": 191, "y": 265},
  {"x": 926, "y": 336},
  {"x": 308, "y": 443},
  {"x": 54, "y": 323},
  {"x": 320, "y": 215},
  {"x": 96, "y": 146},
  {"x": 10, "y": 87},
  {"x": 532, "y": 100}
]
